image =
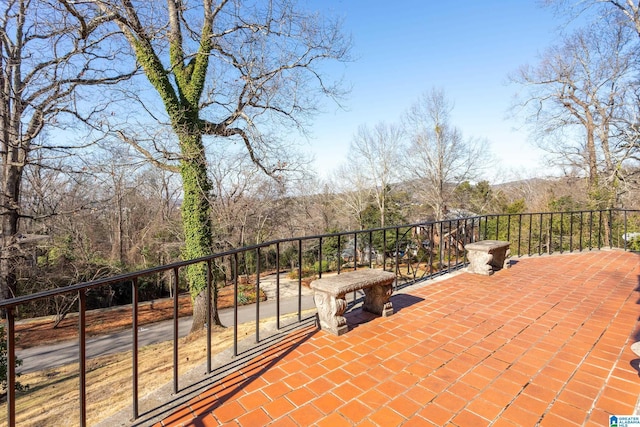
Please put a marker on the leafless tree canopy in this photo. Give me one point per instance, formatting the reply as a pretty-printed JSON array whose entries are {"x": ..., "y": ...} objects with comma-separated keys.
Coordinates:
[
  {"x": 376, "y": 153},
  {"x": 49, "y": 51},
  {"x": 249, "y": 68},
  {"x": 628, "y": 10},
  {"x": 353, "y": 190},
  {"x": 440, "y": 157},
  {"x": 582, "y": 102}
]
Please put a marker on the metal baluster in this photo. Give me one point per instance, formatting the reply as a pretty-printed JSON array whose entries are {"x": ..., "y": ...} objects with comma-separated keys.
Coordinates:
[
  {"x": 440, "y": 249},
  {"x": 519, "y": 233},
  {"x": 355, "y": 252},
  {"x": 278, "y": 285},
  {"x": 611, "y": 229},
  {"x": 457, "y": 240},
  {"x": 339, "y": 253},
  {"x": 599, "y": 230},
  {"x": 540, "y": 236},
  {"x": 550, "y": 238},
  {"x": 449, "y": 248},
  {"x": 590, "y": 230},
  {"x": 257, "y": 295},
  {"x": 299, "y": 280},
  {"x": 82, "y": 355},
  {"x": 235, "y": 303},
  {"x": 464, "y": 240},
  {"x": 530, "y": 233},
  {"x": 397, "y": 257},
  {"x": 486, "y": 227},
  {"x": 581, "y": 230},
  {"x": 210, "y": 284},
  {"x": 370, "y": 249},
  {"x": 11, "y": 366},
  {"x": 571, "y": 232},
  {"x": 625, "y": 230},
  {"x": 384, "y": 250},
  {"x": 176, "y": 277},
  {"x": 561, "y": 229},
  {"x": 134, "y": 330},
  {"x": 320, "y": 258}
]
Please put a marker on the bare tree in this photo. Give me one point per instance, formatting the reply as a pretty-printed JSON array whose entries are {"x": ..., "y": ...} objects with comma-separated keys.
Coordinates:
[
  {"x": 48, "y": 52},
  {"x": 243, "y": 200},
  {"x": 225, "y": 71},
  {"x": 376, "y": 155},
  {"x": 353, "y": 191},
  {"x": 307, "y": 208},
  {"x": 440, "y": 157},
  {"x": 581, "y": 102},
  {"x": 136, "y": 202},
  {"x": 155, "y": 233},
  {"x": 629, "y": 10}
]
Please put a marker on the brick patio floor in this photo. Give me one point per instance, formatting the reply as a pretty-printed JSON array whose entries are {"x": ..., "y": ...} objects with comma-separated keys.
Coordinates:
[{"x": 546, "y": 342}]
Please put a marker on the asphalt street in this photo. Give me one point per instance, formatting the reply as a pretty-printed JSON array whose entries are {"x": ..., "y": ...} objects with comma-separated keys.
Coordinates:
[{"x": 53, "y": 355}]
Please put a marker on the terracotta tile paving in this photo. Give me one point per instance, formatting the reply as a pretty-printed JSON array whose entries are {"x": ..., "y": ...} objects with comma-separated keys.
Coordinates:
[{"x": 545, "y": 342}]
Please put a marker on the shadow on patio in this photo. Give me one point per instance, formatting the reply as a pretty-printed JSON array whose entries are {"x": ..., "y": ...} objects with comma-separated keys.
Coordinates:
[{"x": 546, "y": 342}]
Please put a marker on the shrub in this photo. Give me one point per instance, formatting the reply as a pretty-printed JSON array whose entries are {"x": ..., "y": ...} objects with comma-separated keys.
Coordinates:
[
  {"x": 325, "y": 266},
  {"x": 309, "y": 271}
]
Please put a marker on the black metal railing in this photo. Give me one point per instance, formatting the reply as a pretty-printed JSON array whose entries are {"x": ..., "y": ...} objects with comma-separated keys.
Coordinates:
[{"x": 414, "y": 252}]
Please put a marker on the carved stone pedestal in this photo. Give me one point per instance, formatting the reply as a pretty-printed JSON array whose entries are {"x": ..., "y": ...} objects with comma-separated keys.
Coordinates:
[
  {"x": 487, "y": 256},
  {"x": 376, "y": 300},
  {"x": 330, "y": 312},
  {"x": 329, "y": 296}
]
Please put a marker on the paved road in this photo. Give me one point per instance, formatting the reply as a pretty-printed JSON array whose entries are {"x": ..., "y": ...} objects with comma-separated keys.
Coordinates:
[{"x": 50, "y": 356}]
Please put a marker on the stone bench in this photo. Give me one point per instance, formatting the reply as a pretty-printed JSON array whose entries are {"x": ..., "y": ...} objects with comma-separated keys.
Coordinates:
[
  {"x": 487, "y": 256},
  {"x": 329, "y": 296}
]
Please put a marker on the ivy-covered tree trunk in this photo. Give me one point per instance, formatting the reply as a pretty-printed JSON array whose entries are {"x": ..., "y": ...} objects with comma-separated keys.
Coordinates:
[
  {"x": 180, "y": 90},
  {"x": 196, "y": 220}
]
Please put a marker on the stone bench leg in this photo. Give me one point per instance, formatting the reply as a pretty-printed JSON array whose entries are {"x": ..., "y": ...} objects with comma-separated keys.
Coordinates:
[
  {"x": 330, "y": 310},
  {"x": 501, "y": 259},
  {"x": 376, "y": 300},
  {"x": 480, "y": 262}
]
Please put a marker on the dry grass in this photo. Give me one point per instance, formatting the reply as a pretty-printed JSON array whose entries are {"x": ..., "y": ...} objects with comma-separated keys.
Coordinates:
[{"x": 52, "y": 398}]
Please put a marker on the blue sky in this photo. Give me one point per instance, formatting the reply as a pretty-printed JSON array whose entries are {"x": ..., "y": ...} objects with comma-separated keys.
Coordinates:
[{"x": 466, "y": 47}]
